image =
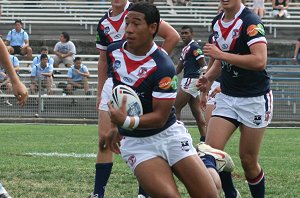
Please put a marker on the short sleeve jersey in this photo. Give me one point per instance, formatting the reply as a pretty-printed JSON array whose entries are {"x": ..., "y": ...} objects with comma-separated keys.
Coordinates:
[
  {"x": 17, "y": 38},
  {"x": 74, "y": 75},
  {"x": 151, "y": 76},
  {"x": 190, "y": 54},
  {"x": 37, "y": 60},
  {"x": 37, "y": 70},
  {"x": 15, "y": 62},
  {"x": 236, "y": 37}
]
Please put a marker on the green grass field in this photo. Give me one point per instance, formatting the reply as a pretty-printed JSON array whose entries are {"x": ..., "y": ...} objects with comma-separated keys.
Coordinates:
[{"x": 25, "y": 173}]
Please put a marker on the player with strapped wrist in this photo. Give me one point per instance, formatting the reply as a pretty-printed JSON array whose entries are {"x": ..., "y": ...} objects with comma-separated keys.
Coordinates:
[
  {"x": 245, "y": 101},
  {"x": 111, "y": 28},
  {"x": 154, "y": 145}
]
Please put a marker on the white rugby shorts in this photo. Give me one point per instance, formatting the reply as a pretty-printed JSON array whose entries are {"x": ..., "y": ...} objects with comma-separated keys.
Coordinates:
[
  {"x": 106, "y": 94},
  {"x": 188, "y": 85},
  {"x": 254, "y": 112},
  {"x": 172, "y": 144},
  {"x": 211, "y": 100}
]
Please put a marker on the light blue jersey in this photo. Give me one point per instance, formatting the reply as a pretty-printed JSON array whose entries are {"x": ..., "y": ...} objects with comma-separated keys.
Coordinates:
[
  {"x": 17, "y": 38},
  {"x": 37, "y": 60},
  {"x": 37, "y": 70},
  {"x": 72, "y": 74}
]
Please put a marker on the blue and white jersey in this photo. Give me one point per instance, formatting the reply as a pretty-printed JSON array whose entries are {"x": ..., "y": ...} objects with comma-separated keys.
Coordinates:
[
  {"x": 111, "y": 28},
  {"x": 72, "y": 74},
  {"x": 37, "y": 70},
  {"x": 150, "y": 76},
  {"x": 37, "y": 60},
  {"x": 190, "y": 54},
  {"x": 236, "y": 37},
  {"x": 17, "y": 38},
  {"x": 2, "y": 77}
]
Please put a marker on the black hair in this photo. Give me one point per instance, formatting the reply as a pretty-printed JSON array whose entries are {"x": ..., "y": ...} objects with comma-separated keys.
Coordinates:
[
  {"x": 44, "y": 48},
  {"x": 18, "y": 21},
  {"x": 77, "y": 59},
  {"x": 66, "y": 36},
  {"x": 187, "y": 27},
  {"x": 150, "y": 11},
  {"x": 44, "y": 56}
]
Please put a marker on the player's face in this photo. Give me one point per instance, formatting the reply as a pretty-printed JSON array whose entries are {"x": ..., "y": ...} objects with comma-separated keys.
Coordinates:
[
  {"x": 118, "y": 3},
  {"x": 139, "y": 34},
  {"x": 186, "y": 35},
  {"x": 230, "y": 4}
]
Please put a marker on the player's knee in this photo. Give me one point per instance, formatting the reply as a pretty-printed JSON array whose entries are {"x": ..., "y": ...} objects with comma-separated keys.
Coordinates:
[
  {"x": 103, "y": 147},
  {"x": 248, "y": 162},
  {"x": 166, "y": 193}
]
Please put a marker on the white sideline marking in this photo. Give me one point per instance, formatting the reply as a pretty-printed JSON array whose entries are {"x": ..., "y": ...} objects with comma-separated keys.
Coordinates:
[{"x": 76, "y": 155}]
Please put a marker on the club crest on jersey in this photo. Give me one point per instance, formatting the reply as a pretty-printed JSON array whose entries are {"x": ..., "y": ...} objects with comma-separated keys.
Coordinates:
[
  {"x": 216, "y": 35},
  {"x": 142, "y": 72},
  {"x": 117, "y": 64},
  {"x": 185, "y": 145},
  {"x": 257, "y": 119},
  {"x": 224, "y": 46},
  {"x": 235, "y": 34},
  {"x": 197, "y": 52},
  {"x": 165, "y": 83},
  {"x": 174, "y": 82},
  {"x": 131, "y": 160},
  {"x": 106, "y": 30}
]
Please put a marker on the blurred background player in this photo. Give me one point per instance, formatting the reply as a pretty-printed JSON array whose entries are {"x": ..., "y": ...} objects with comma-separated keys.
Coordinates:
[
  {"x": 245, "y": 101},
  {"x": 111, "y": 28},
  {"x": 5, "y": 84},
  {"x": 192, "y": 62},
  {"x": 77, "y": 78},
  {"x": 296, "y": 57},
  {"x": 44, "y": 72},
  {"x": 17, "y": 41}
]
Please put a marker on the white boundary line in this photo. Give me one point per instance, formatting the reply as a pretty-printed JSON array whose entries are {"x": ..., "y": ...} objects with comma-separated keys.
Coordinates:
[{"x": 55, "y": 154}]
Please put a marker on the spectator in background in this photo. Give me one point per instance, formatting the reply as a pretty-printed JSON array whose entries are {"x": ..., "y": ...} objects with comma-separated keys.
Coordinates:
[
  {"x": 78, "y": 77},
  {"x": 280, "y": 8},
  {"x": 5, "y": 84},
  {"x": 17, "y": 41},
  {"x": 44, "y": 71},
  {"x": 64, "y": 51},
  {"x": 37, "y": 59},
  {"x": 259, "y": 7},
  {"x": 297, "y": 52}
]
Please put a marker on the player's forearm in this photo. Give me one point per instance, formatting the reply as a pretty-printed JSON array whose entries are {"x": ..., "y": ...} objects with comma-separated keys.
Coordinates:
[{"x": 6, "y": 63}]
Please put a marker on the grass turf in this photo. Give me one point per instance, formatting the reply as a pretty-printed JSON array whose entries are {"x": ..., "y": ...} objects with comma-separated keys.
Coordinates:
[{"x": 26, "y": 175}]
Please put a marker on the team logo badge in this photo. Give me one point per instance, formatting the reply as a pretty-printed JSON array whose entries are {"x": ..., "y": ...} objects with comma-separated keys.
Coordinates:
[
  {"x": 261, "y": 29},
  {"x": 106, "y": 30},
  {"x": 197, "y": 52},
  {"x": 185, "y": 145},
  {"x": 257, "y": 119},
  {"x": 235, "y": 34},
  {"x": 131, "y": 160},
  {"x": 224, "y": 46},
  {"x": 253, "y": 30},
  {"x": 117, "y": 64},
  {"x": 174, "y": 82},
  {"x": 165, "y": 83},
  {"x": 142, "y": 72}
]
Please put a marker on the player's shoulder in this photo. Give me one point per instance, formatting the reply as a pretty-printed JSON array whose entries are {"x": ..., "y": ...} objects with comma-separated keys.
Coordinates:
[
  {"x": 104, "y": 17},
  {"x": 248, "y": 16},
  {"x": 162, "y": 59}
]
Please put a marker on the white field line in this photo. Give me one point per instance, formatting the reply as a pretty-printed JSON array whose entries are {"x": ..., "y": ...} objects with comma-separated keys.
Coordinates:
[{"x": 55, "y": 154}]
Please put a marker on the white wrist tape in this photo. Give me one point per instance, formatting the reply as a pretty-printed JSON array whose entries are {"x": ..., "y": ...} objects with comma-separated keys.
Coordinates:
[
  {"x": 136, "y": 122},
  {"x": 126, "y": 123}
]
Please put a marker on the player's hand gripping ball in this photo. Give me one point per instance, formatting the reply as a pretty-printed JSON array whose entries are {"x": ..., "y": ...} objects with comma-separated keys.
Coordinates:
[{"x": 133, "y": 103}]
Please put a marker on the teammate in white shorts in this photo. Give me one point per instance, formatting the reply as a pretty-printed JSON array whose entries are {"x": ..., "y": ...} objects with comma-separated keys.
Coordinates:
[
  {"x": 154, "y": 144},
  {"x": 192, "y": 62},
  {"x": 245, "y": 101},
  {"x": 111, "y": 28}
]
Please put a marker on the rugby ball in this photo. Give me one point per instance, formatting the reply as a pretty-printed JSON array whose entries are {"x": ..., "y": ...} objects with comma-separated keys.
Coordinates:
[{"x": 133, "y": 103}]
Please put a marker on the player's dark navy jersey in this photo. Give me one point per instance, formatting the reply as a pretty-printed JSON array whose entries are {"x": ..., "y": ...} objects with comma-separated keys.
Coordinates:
[
  {"x": 211, "y": 40},
  {"x": 152, "y": 76},
  {"x": 189, "y": 55},
  {"x": 236, "y": 37}
]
